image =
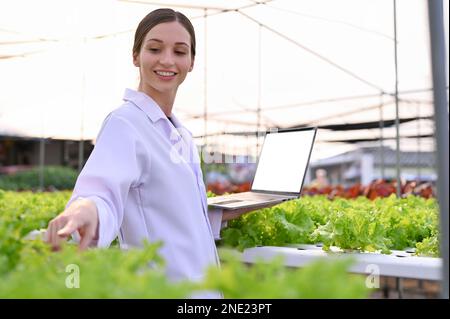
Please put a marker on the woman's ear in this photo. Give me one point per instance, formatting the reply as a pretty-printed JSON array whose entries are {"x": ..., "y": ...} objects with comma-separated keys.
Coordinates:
[
  {"x": 136, "y": 61},
  {"x": 192, "y": 66}
]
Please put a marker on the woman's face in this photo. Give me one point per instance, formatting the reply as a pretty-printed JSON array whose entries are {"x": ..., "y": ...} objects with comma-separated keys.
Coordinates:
[{"x": 165, "y": 58}]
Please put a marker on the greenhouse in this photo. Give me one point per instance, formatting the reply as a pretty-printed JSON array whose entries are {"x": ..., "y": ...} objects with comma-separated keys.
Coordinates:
[{"x": 306, "y": 156}]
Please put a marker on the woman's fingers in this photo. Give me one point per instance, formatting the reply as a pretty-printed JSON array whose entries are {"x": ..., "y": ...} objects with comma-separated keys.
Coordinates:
[
  {"x": 82, "y": 216},
  {"x": 58, "y": 230},
  {"x": 86, "y": 237},
  {"x": 68, "y": 229},
  {"x": 51, "y": 231}
]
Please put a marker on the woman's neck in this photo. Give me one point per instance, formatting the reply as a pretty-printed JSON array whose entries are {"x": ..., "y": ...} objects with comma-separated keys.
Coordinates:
[{"x": 164, "y": 100}]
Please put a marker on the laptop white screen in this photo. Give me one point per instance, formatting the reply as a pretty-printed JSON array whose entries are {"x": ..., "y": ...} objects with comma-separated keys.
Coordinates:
[{"x": 283, "y": 161}]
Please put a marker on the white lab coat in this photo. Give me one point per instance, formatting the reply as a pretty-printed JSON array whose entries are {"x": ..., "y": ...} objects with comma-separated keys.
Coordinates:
[{"x": 144, "y": 188}]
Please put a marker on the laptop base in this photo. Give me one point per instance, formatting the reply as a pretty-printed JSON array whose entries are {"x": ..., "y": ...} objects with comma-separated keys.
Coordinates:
[{"x": 246, "y": 200}]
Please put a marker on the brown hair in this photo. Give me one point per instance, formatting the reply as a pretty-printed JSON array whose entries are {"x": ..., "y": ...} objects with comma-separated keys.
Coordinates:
[{"x": 160, "y": 16}]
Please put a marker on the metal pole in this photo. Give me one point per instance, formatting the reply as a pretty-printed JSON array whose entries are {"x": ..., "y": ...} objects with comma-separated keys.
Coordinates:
[
  {"x": 80, "y": 154},
  {"x": 258, "y": 111},
  {"x": 42, "y": 153},
  {"x": 419, "y": 151},
  {"x": 438, "y": 65},
  {"x": 397, "y": 122},
  {"x": 381, "y": 137},
  {"x": 41, "y": 163},
  {"x": 205, "y": 106},
  {"x": 83, "y": 90}
]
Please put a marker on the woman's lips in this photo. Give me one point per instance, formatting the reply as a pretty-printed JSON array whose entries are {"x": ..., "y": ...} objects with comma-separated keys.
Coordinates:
[{"x": 165, "y": 75}]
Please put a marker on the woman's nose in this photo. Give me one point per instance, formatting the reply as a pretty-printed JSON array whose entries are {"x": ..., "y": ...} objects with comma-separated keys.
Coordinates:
[{"x": 166, "y": 58}]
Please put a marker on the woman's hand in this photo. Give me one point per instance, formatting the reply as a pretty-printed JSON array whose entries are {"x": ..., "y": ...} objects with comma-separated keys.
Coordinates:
[
  {"x": 229, "y": 214},
  {"x": 81, "y": 215}
]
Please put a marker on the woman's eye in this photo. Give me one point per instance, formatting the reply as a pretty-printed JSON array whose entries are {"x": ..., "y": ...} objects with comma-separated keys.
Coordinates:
[
  {"x": 180, "y": 52},
  {"x": 154, "y": 49}
]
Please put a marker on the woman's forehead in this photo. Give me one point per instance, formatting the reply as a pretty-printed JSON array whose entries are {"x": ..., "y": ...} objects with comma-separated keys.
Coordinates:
[{"x": 172, "y": 32}]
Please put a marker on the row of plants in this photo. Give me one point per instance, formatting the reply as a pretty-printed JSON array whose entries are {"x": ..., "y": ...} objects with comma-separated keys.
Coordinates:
[
  {"x": 29, "y": 269},
  {"x": 361, "y": 224},
  {"x": 54, "y": 178},
  {"x": 21, "y": 213},
  {"x": 221, "y": 188},
  {"x": 114, "y": 273},
  {"x": 377, "y": 188}
]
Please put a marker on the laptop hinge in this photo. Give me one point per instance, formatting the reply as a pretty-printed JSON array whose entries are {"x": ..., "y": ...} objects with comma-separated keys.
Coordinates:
[{"x": 287, "y": 194}]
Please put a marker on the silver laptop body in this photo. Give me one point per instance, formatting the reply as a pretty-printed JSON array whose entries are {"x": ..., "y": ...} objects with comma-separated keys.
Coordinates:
[{"x": 280, "y": 172}]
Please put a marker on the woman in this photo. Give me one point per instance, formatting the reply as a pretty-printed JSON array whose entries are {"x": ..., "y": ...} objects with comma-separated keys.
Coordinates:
[{"x": 139, "y": 182}]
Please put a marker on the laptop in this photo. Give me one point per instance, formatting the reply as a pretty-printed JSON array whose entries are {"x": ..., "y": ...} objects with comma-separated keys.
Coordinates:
[{"x": 280, "y": 172}]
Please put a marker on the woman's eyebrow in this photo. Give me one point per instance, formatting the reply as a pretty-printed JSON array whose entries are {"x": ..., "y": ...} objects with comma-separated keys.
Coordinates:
[{"x": 161, "y": 41}]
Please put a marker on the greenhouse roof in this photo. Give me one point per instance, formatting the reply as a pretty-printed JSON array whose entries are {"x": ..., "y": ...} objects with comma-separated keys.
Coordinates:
[{"x": 65, "y": 64}]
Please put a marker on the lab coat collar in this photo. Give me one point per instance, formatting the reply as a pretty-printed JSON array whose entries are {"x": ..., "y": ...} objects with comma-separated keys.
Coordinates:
[
  {"x": 151, "y": 108},
  {"x": 145, "y": 103},
  {"x": 178, "y": 124}
]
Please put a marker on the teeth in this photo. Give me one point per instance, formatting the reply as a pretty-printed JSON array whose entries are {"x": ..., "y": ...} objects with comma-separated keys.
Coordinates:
[{"x": 165, "y": 73}]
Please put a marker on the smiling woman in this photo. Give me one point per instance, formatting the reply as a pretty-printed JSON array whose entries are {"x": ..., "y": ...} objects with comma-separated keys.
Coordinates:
[
  {"x": 164, "y": 51},
  {"x": 138, "y": 184}
]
